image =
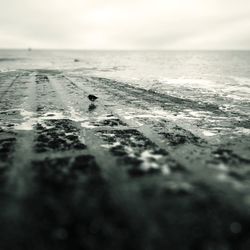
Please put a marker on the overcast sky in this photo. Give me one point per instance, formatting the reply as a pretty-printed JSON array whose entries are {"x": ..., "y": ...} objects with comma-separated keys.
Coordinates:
[{"x": 125, "y": 24}]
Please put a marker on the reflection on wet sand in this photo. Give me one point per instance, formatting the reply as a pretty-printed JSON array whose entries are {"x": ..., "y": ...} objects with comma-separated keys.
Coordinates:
[{"x": 92, "y": 107}]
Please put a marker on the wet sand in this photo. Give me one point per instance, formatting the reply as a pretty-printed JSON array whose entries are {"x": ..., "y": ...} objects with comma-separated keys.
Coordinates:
[{"x": 135, "y": 170}]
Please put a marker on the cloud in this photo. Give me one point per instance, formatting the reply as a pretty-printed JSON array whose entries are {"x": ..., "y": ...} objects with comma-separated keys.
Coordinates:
[{"x": 130, "y": 24}]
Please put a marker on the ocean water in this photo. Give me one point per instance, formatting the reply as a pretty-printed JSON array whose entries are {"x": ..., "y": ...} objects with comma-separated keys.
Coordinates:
[{"x": 221, "y": 77}]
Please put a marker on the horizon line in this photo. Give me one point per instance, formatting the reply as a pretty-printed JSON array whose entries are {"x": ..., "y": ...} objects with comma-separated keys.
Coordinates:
[{"x": 82, "y": 49}]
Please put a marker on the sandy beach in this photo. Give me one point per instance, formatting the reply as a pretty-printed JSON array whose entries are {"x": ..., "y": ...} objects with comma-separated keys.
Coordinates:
[{"x": 136, "y": 169}]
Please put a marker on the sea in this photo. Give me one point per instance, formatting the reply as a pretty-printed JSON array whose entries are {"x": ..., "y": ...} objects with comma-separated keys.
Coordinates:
[{"x": 221, "y": 77}]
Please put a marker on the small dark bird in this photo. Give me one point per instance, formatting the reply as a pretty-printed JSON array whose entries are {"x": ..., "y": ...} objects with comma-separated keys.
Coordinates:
[{"x": 92, "y": 98}]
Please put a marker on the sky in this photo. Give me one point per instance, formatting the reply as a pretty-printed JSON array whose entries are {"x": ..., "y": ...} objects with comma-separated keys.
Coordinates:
[{"x": 125, "y": 24}]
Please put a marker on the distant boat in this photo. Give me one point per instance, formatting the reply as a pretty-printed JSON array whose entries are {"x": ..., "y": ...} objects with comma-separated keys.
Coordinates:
[{"x": 29, "y": 49}]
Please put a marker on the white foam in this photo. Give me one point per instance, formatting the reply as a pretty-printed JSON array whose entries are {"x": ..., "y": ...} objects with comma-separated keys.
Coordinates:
[
  {"x": 27, "y": 125},
  {"x": 208, "y": 133},
  {"x": 87, "y": 124},
  {"x": 222, "y": 167},
  {"x": 190, "y": 82},
  {"x": 115, "y": 144},
  {"x": 52, "y": 116},
  {"x": 29, "y": 119},
  {"x": 165, "y": 169},
  {"x": 105, "y": 117},
  {"x": 201, "y": 114},
  {"x": 148, "y": 154},
  {"x": 8, "y": 110},
  {"x": 147, "y": 163},
  {"x": 245, "y": 131},
  {"x": 75, "y": 115}
]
